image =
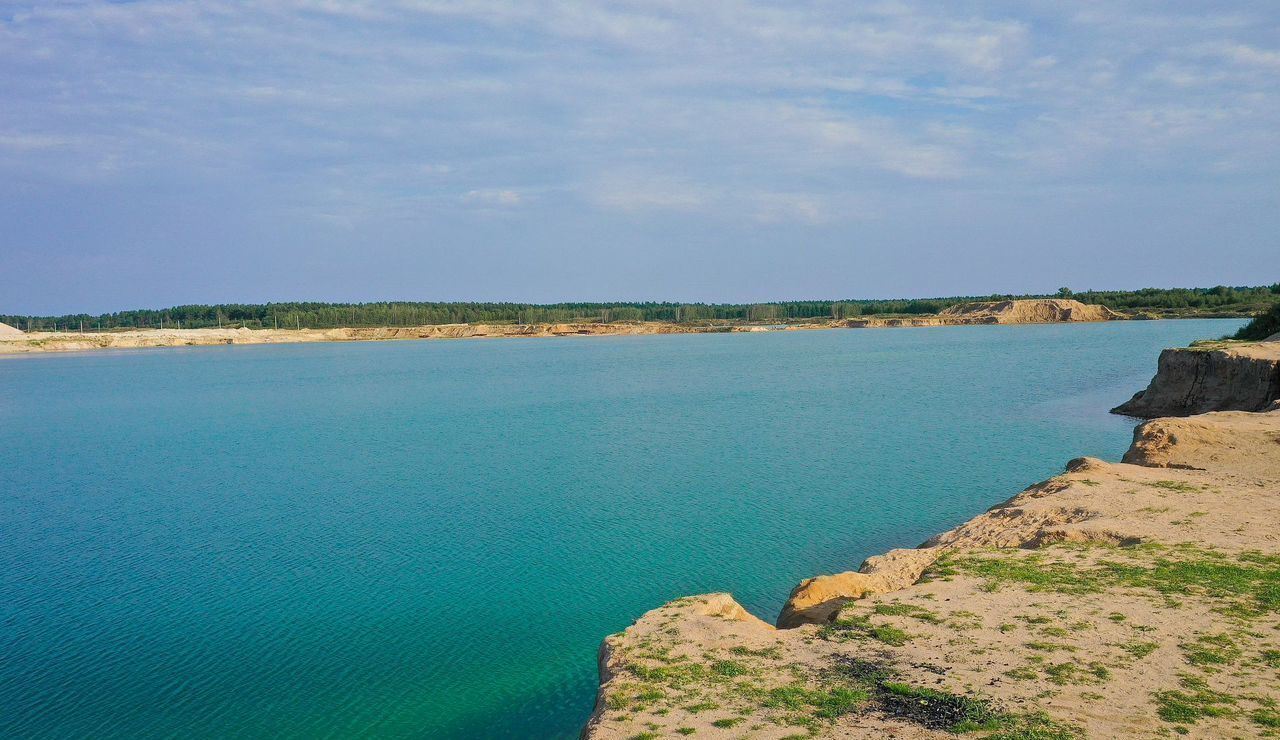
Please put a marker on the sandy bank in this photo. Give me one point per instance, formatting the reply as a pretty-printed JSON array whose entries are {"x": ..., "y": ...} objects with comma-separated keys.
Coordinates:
[
  {"x": 1002, "y": 312},
  {"x": 69, "y": 342},
  {"x": 1136, "y": 599}
]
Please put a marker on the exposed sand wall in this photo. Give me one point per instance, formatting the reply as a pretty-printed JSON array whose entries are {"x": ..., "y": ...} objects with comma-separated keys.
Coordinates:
[{"x": 1217, "y": 377}]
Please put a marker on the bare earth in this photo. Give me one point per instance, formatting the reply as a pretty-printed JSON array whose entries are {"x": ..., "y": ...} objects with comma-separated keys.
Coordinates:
[
  {"x": 1139, "y": 599},
  {"x": 13, "y": 341}
]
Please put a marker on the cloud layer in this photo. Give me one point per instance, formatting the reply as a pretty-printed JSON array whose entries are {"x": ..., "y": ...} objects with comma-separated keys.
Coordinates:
[{"x": 457, "y": 134}]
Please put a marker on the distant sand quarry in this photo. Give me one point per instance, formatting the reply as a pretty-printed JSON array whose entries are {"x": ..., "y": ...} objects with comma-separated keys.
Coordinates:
[
  {"x": 13, "y": 341},
  {"x": 1037, "y": 311}
]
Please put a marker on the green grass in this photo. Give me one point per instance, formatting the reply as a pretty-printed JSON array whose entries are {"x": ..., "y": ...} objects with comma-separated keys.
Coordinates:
[
  {"x": 1186, "y": 707},
  {"x": 729, "y": 668},
  {"x": 1139, "y": 649},
  {"x": 823, "y": 703},
  {"x": 1211, "y": 650},
  {"x": 908, "y": 610},
  {"x": 1268, "y": 718},
  {"x": 860, "y": 627},
  {"x": 1072, "y": 672},
  {"x": 727, "y": 722},
  {"x": 1249, "y": 583},
  {"x": 774, "y": 652}
]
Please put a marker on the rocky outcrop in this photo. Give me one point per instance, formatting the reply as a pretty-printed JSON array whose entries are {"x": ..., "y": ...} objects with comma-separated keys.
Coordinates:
[
  {"x": 1139, "y": 582},
  {"x": 1214, "y": 377}
]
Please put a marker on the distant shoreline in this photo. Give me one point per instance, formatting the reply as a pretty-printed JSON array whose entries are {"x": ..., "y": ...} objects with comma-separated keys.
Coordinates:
[{"x": 971, "y": 314}]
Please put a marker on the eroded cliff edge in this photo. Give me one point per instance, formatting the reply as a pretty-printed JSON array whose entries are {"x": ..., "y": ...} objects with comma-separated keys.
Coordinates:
[
  {"x": 1210, "y": 377},
  {"x": 1114, "y": 600}
]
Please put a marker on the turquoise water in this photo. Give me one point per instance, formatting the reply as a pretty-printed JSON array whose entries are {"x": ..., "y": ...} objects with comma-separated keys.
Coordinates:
[{"x": 429, "y": 539}]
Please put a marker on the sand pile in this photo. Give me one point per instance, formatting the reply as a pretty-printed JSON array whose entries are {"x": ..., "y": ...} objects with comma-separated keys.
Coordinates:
[
  {"x": 9, "y": 331},
  {"x": 1039, "y": 311}
]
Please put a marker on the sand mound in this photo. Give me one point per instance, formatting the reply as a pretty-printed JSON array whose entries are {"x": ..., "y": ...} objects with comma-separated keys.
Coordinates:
[
  {"x": 1039, "y": 311},
  {"x": 9, "y": 331}
]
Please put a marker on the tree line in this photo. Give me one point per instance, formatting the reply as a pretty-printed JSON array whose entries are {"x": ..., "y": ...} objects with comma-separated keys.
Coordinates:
[{"x": 1221, "y": 300}]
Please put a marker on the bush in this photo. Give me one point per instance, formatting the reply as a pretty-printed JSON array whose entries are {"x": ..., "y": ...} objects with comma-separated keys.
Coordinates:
[{"x": 1262, "y": 326}]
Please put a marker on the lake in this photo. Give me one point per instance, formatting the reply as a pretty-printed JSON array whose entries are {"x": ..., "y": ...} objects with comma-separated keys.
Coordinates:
[{"x": 430, "y": 539}]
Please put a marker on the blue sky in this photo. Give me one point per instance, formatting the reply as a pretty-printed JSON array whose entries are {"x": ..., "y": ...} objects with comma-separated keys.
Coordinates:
[{"x": 154, "y": 153}]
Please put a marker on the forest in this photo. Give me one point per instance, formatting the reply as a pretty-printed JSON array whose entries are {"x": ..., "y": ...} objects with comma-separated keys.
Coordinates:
[{"x": 1162, "y": 302}]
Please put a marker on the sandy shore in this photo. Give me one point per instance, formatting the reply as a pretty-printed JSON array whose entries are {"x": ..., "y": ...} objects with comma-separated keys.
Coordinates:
[
  {"x": 1133, "y": 599},
  {"x": 1001, "y": 312}
]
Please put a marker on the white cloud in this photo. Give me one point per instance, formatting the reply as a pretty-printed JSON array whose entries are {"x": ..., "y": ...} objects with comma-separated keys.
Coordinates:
[
  {"x": 634, "y": 107},
  {"x": 493, "y": 198}
]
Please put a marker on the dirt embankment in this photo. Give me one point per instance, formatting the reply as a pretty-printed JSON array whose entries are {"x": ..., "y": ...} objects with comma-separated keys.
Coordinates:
[
  {"x": 1211, "y": 377},
  {"x": 1139, "y": 599}
]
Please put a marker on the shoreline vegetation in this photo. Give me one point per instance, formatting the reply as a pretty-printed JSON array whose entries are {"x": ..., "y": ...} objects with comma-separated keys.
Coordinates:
[
  {"x": 1132, "y": 599},
  {"x": 80, "y": 336},
  {"x": 1217, "y": 302}
]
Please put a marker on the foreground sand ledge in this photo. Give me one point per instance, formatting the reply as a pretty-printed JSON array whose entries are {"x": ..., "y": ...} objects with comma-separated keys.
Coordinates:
[
  {"x": 1139, "y": 599},
  {"x": 990, "y": 312}
]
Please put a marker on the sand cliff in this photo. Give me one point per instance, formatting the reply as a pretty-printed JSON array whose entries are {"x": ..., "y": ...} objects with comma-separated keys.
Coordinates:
[
  {"x": 1136, "y": 599},
  {"x": 1210, "y": 377}
]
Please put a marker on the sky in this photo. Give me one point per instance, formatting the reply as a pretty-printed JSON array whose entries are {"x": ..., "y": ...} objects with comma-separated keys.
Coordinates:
[{"x": 162, "y": 153}]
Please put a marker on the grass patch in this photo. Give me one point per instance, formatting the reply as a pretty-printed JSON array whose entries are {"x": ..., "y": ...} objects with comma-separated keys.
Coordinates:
[
  {"x": 1139, "y": 649},
  {"x": 1072, "y": 672},
  {"x": 908, "y": 610},
  {"x": 1211, "y": 650},
  {"x": 826, "y": 703},
  {"x": 774, "y": 652},
  {"x": 1249, "y": 583},
  {"x": 729, "y": 668},
  {"x": 1268, "y": 718},
  {"x": 860, "y": 627},
  {"x": 1187, "y": 707}
]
